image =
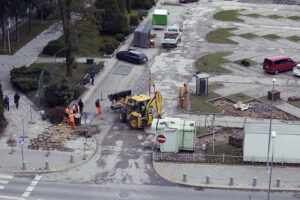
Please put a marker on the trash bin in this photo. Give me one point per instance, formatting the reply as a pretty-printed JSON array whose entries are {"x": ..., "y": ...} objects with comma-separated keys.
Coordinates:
[
  {"x": 77, "y": 118},
  {"x": 43, "y": 115},
  {"x": 90, "y": 61}
]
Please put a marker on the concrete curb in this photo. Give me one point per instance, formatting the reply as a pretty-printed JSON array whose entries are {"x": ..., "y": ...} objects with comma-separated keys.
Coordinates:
[
  {"x": 161, "y": 172},
  {"x": 59, "y": 168}
]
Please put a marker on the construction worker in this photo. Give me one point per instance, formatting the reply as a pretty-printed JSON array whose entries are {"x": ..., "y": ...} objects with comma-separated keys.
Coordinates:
[
  {"x": 74, "y": 108},
  {"x": 152, "y": 43},
  {"x": 72, "y": 120},
  {"x": 98, "y": 107},
  {"x": 67, "y": 112}
]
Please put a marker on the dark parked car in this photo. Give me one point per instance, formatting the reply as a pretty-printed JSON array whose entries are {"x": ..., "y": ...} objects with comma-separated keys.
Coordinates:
[{"x": 132, "y": 56}]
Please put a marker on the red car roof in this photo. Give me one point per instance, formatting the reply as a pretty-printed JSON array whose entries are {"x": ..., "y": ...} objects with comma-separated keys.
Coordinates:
[{"x": 274, "y": 58}]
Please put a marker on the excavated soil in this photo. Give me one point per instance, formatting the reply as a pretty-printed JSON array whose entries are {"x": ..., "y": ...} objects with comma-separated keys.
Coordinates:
[{"x": 257, "y": 110}]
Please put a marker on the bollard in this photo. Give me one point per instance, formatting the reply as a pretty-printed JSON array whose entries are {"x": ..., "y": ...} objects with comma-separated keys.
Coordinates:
[
  {"x": 47, "y": 165},
  {"x": 231, "y": 181},
  {"x": 184, "y": 177},
  {"x": 278, "y": 182},
  {"x": 254, "y": 183},
  {"x": 207, "y": 179},
  {"x": 24, "y": 165},
  {"x": 71, "y": 159}
]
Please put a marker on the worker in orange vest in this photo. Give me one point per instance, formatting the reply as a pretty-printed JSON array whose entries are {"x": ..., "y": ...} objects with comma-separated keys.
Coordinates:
[
  {"x": 67, "y": 112},
  {"x": 98, "y": 107},
  {"x": 152, "y": 43},
  {"x": 72, "y": 120}
]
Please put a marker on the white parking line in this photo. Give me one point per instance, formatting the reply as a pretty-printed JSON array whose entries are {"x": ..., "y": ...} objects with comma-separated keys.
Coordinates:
[
  {"x": 31, "y": 187},
  {"x": 3, "y": 181},
  {"x": 11, "y": 198},
  {"x": 2, "y": 187},
  {"x": 2, "y": 176}
]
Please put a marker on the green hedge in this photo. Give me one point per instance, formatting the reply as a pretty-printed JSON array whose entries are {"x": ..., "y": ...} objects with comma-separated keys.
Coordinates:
[{"x": 53, "y": 47}]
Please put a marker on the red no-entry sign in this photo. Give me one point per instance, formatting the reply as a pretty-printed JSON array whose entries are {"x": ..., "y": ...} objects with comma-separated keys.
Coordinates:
[{"x": 161, "y": 138}]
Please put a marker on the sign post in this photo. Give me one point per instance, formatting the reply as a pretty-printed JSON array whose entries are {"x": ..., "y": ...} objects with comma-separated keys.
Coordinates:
[
  {"x": 21, "y": 144},
  {"x": 161, "y": 139}
]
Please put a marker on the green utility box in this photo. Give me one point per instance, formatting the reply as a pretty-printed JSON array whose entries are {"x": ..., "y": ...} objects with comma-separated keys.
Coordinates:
[
  {"x": 160, "y": 17},
  {"x": 179, "y": 134}
]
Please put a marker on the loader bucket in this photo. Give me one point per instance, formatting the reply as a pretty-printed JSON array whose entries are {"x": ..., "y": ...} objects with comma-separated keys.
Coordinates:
[{"x": 119, "y": 95}]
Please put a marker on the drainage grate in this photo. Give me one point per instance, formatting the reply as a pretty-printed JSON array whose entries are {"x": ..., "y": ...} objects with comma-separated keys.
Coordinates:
[{"x": 122, "y": 69}]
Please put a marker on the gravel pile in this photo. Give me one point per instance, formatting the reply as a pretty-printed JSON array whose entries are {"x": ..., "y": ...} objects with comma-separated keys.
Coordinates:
[
  {"x": 259, "y": 107},
  {"x": 287, "y": 2}
]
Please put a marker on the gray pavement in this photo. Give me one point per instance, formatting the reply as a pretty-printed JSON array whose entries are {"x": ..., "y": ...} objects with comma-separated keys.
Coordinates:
[{"x": 27, "y": 121}]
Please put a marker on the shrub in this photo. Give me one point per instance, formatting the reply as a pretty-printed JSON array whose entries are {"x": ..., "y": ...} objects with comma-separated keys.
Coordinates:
[
  {"x": 53, "y": 47},
  {"x": 120, "y": 37},
  {"x": 101, "y": 46},
  {"x": 127, "y": 31},
  {"x": 143, "y": 4},
  {"x": 98, "y": 67},
  {"x": 77, "y": 91},
  {"x": 142, "y": 14},
  {"x": 55, "y": 114},
  {"x": 58, "y": 94},
  {"x": 109, "y": 48},
  {"x": 25, "y": 84},
  {"x": 134, "y": 20},
  {"x": 2, "y": 51}
]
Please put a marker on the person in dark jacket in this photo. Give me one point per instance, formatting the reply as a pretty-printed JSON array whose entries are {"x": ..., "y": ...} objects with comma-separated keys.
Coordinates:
[
  {"x": 93, "y": 76},
  {"x": 6, "y": 102},
  {"x": 80, "y": 104},
  {"x": 16, "y": 99}
]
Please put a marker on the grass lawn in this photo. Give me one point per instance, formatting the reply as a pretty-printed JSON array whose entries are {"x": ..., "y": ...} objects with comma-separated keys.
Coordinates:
[
  {"x": 294, "y": 38},
  {"x": 200, "y": 104},
  {"x": 228, "y": 15},
  {"x": 249, "y": 60},
  {"x": 224, "y": 149},
  {"x": 274, "y": 16},
  {"x": 294, "y": 17},
  {"x": 214, "y": 86},
  {"x": 248, "y": 35},
  {"x": 254, "y": 15},
  {"x": 37, "y": 26},
  {"x": 239, "y": 97},
  {"x": 221, "y": 36},
  {"x": 271, "y": 36},
  {"x": 201, "y": 130},
  {"x": 296, "y": 103},
  {"x": 265, "y": 100},
  {"x": 211, "y": 63}
]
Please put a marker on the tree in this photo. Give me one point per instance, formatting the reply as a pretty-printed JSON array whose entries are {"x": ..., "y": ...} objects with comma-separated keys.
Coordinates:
[
  {"x": 114, "y": 21},
  {"x": 4, "y": 12},
  {"x": 65, "y": 13},
  {"x": 122, "y": 6},
  {"x": 17, "y": 8},
  {"x": 128, "y": 6}
]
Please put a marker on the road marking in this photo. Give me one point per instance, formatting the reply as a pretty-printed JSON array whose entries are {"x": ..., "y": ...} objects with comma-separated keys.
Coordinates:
[
  {"x": 31, "y": 187},
  {"x": 12, "y": 198},
  {"x": 3, "y": 181},
  {"x": 2, "y": 187},
  {"x": 2, "y": 176}
]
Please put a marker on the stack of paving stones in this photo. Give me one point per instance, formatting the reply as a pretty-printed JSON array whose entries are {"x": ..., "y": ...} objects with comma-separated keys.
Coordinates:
[
  {"x": 86, "y": 130},
  {"x": 260, "y": 107},
  {"x": 52, "y": 138},
  {"x": 287, "y": 2}
]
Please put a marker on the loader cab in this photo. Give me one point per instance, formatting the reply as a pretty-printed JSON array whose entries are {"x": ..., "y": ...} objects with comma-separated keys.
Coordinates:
[{"x": 138, "y": 103}]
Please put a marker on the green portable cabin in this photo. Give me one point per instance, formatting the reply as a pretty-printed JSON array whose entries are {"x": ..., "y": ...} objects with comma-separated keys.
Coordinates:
[
  {"x": 160, "y": 17},
  {"x": 180, "y": 134}
]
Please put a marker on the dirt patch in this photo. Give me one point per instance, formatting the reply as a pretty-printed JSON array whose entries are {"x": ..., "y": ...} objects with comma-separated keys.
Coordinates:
[
  {"x": 221, "y": 135},
  {"x": 257, "y": 110}
]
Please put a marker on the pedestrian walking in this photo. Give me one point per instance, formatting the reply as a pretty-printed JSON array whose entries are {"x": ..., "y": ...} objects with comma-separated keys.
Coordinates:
[
  {"x": 98, "y": 107},
  {"x": 93, "y": 76},
  {"x": 80, "y": 104},
  {"x": 16, "y": 99},
  {"x": 6, "y": 102}
]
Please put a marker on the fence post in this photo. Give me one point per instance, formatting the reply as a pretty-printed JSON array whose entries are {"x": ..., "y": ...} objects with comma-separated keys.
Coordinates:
[
  {"x": 231, "y": 181},
  {"x": 71, "y": 159},
  {"x": 278, "y": 182},
  {"x": 207, "y": 181},
  {"x": 254, "y": 183},
  {"x": 24, "y": 165},
  {"x": 47, "y": 165},
  {"x": 223, "y": 157},
  {"x": 184, "y": 177}
]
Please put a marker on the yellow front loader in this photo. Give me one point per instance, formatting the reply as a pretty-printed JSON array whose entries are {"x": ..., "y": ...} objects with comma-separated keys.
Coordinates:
[{"x": 136, "y": 110}]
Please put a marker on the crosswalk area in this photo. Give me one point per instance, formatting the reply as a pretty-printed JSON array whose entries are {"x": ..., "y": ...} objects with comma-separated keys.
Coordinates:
[{"x": 4, "y": 180}]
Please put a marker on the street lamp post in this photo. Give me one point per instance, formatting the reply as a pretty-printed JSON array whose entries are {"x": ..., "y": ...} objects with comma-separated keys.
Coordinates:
[
  {"x": 270, "y": 127},
  {"x": 270, "y": 176},
  {"x": 8, "y": 27}
]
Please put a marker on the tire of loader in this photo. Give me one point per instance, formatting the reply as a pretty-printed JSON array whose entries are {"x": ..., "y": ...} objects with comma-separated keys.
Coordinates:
[
  {"x": 134, "y": 122},
  {"x": 122, "y": 116}
]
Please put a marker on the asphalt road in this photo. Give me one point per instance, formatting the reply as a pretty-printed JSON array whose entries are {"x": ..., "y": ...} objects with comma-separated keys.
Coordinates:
[{"x": 43, "y": 190}]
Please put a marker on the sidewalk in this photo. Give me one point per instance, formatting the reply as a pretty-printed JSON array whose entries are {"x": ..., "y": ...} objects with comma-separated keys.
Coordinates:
[{"x": 219, "y": 176}]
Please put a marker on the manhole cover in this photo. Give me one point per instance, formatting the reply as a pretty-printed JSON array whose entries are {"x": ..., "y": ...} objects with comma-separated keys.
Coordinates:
[
  {"x": 122, "y": 69},
  {"x": 123, "y": 194}
]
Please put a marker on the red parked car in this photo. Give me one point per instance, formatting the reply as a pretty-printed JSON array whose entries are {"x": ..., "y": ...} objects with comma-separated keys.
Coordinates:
[{"x": 276, "y": 64}]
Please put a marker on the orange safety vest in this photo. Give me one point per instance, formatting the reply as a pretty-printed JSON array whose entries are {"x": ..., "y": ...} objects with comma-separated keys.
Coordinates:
[
  {"x": 71, "y": 117},
  {"x": 67, "y": 111}
]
